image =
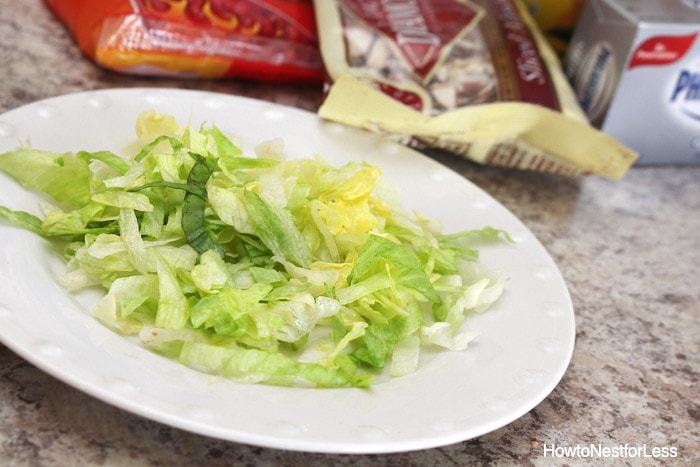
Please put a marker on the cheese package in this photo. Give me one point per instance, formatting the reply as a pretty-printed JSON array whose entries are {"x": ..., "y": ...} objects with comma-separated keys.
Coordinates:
[
  {"x": 476, "y": 78},
  {"x": 271, "y": 40},
  {"x": 635, "y": 67}
]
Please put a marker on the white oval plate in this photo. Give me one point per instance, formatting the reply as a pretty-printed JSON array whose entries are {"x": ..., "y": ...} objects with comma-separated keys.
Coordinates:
[{"x": 524, "y": 345}]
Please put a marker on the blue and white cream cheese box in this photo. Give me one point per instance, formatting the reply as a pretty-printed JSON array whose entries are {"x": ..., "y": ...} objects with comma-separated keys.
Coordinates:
[{"x": 635, "y": 67}]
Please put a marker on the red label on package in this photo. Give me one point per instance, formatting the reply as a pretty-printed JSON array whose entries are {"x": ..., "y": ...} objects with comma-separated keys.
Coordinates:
[
  {"x": 292, "y": 20},
  {"x": 534, "y": 80},
  {"x": 421, "y": 29},
  {"x": 662, "y": 50},
  {"x": 408, "y": 98}
]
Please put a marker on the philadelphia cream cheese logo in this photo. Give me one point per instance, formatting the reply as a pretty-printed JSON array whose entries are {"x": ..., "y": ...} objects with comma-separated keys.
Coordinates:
[
  {"x": 666, "y": 50},
  {"x": 686, "y": 92}
]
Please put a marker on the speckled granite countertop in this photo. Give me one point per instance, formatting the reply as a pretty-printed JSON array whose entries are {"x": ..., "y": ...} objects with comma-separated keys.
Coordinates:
[{"x": 628, "y": 250}]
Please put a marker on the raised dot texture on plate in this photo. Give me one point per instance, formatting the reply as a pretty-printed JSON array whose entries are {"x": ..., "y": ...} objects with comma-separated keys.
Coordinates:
[
  {"x": 553, "y": 310},
  {"x": 434, "y": 186},
  {"x": 439, "y": 176},
  {"x": 154, "y": 97},
  {"x": 530, "y": 377},
  {"x": 542, "y": 272},
  {"x": 7, "y": 130},
  {"x": 443, "y": 426},
  {"x": 497, "y": 405},
  {"x": 47, "y": 111},
  {"x": 213, "y": 103},
  {"x": 371, "y": 432},
  {"x": 120, "y": 385},
  {"x": 291, "y": 428},
  {"x": 551, "y": 344},
  {"x": 481, "y": 204},
  {"x": 49, "y": 349},
  {"x": 389, "y": 149},
  {"x": 273, "y": 113},
  {"x": 519, "y": 237},
  {"x": 197, "y": 412},
  {"x": 99, "y": 102}
]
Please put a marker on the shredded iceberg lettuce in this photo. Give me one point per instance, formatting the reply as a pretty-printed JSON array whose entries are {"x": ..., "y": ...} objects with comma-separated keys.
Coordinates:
[{"x": 257, "y": 268}]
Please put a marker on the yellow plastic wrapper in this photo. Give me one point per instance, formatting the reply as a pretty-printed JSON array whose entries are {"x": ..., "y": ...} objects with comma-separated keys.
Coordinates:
[{"x": 475, "y": 78}]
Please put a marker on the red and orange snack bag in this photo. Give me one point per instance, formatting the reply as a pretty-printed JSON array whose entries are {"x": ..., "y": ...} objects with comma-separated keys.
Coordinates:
[{"x": 270, "y": 40}]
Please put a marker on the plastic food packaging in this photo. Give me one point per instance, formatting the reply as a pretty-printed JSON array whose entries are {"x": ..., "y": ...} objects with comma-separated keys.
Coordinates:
[
  {"x": 557, "y": 20},
  {"x": 476, "y": 78},
  {"x": 271, "y": 40}
]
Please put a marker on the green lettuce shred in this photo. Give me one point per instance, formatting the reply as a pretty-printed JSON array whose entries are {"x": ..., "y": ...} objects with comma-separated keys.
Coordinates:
[{"x": 256, "y": 268}]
